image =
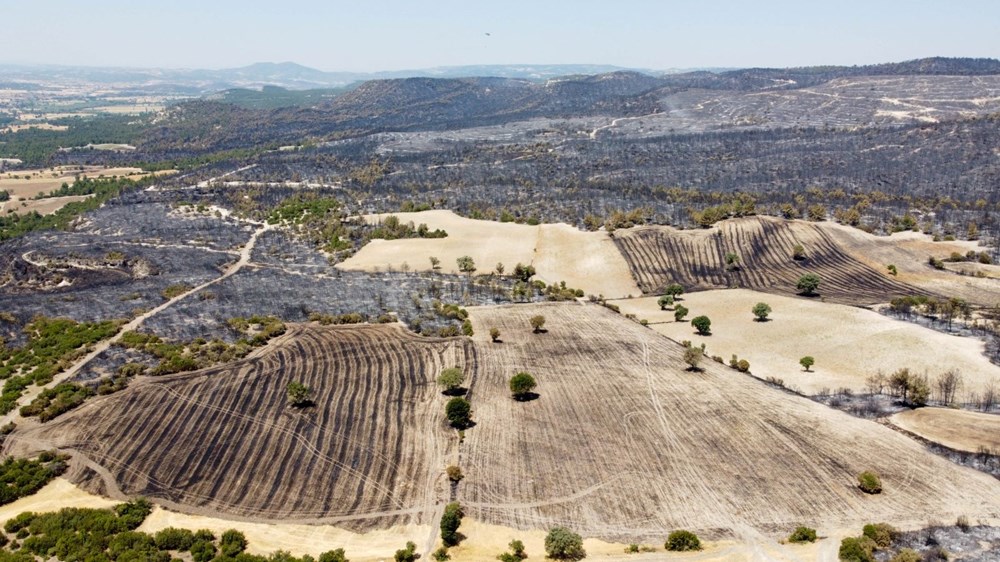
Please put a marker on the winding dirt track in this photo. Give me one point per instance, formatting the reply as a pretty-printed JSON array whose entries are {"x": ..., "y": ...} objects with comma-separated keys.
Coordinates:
[{"x": 659, "y": 256}]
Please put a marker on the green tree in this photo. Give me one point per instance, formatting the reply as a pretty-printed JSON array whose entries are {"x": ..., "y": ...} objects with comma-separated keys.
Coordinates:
[
  {"x": 665, "y": 301},
  {"x": 808, "y": 284},
  {"x": 675, "y": 290},
  {"x": 232, "y": 542},
  {"x": 537, "y": 323},
  {"x": 761, "y": 310},
  {"x": 435, "y": 263},
  {"x": 298, "y": 394},
  {"x": 451, "y": 379},
  {"x": 495, "y": 334},
  {"x": 451, "y": 520},
  {"x": 467, "y": 328},
  {"x": 807, "y": 362},
  {"x": 563, "y": 544},
  {"x": 524, "y": 272},
  {"x": 702, "y": 324},
  {"x": 336, "y": 555},
  {"x": 680, "y": 311},
  {"x": 521, "y": 385},
  {"x": 882, "y": 534},
  {"x": 458, "y": 411},
  {"x": 466, "y": 264},
  {"x": 408, "y": 554},
  {"x": 803, "y": 534},
  {"x": 855, "y": 549},
  {"x": 682, "y": 541}
]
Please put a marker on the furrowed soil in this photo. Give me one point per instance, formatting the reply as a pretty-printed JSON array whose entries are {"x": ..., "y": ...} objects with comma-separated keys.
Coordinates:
[
  {"x": 584, "y": 260},
  {"x": 958, "y": 429},
  {"x": 369, "y": 454},
  {"x": 624, "y": 443},
  {"x": 848, "y": 343},
  {"x": 660, "y": 255}
]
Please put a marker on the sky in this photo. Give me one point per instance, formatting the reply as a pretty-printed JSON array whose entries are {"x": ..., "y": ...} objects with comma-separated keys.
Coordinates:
[{"x": 373, "y": 35}]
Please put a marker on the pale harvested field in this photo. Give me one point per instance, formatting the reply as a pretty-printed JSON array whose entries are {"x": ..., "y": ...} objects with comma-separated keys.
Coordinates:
[
  {"x": 54, "y": 496},
  {"x": 45, "y": 206},
  {"x": 958, "y": 429},
  {"x": 909, "y": 251},
  {"x": 625, "y": 444},
  {"x": 848, "y": 343},
  {"x": 41, "y": 181},
  {"x": 370, "y": 454},
  {"x": 42, "y": 126},
  {"x": 661, "y": 255},
  {"x": 585, "y": 260}
]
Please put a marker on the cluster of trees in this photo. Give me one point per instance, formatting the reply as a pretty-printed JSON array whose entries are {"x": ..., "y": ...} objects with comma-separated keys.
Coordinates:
[
  {"x": 20, "y": 477},
  {"x": 874, "y": 536},
  {"x": 56, "y": 400},
  {"x": 393, "y": 229}
]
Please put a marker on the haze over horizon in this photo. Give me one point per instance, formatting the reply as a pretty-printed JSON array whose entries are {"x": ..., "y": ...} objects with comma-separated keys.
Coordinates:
[{"x": 392, "y": 35}]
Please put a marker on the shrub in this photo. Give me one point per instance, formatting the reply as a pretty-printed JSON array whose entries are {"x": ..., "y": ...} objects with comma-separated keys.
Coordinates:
[
  {"x": 798, "y": 252},
  {"x": 702, "y": 324},
  {"x": 674, "y": 290},
  {"x": 333, "y": 556},
  {"x": 682, "y": 541},
  {"x": 466, "y": 264},
  {"x": 458, "y": 411},
  {"x": 495, "y": 334},
  {"x": 202, "y": 551},
  {"x": 906, "y": 555},
  {"x": 173, "y": 538},
  {"x": 803, "y": 534},
  {"x": 882, "y": 534},
  {"x": 563, "y": 544},
  {"x": 854, "y": 549},
  {"x": 450, "y": 522},
  {"x": 665, "y": 301},
  {"x": 962, "y": 523},
  {"x": 693, "y": 355},
  {"x": 454, "y": 473},
  {"x": 521, "y": 385},
  {"x": 408, "y": 554},
  {"x": 869, "y": 482},
  {"x": 441, "y": 554},
  {"x": 299, "y": 395},
  {"x": 467, "y": 328},
  {"x": 232, "y": 543},
  {"x": 680, "y": 311}
]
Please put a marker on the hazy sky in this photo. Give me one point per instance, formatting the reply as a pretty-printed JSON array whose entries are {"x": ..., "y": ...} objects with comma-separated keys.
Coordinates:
[{"x": 374, "y": 35}]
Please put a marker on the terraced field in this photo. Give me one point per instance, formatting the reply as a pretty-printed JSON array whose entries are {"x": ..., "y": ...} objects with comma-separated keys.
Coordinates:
[
  {"x": 223, "y": 441},
  {"x": 659, "y": 256},
  {"x": 625, "y": 444}
]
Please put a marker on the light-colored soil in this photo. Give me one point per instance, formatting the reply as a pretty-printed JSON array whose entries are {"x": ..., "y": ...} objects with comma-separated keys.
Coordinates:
[
  {"x": 42, "y": 126},
  {"x": 45, "y": 180},
  {"x": 624, "y": 444},
  {"x": 958, "y": 429},
  {"x": 45, "y": 206},
  {"x": 909, "y": 252},
  {"x": 54, "y": 496},
  {"x": 585, "y": 260},
  {"x": 848, "y": 343}
]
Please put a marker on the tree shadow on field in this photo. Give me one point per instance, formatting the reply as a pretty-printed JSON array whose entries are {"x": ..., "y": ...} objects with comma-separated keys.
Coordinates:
[
  {"x": 460, "y": 391},
  {"x": 808, "y": 295},
  {"x": 762, "y": 320},
  {"x": 526, "y": 396},
  {"x": 540, "y": 331}
]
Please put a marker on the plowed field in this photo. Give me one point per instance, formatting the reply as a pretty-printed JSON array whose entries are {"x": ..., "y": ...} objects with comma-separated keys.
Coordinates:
[
  {"x": 659, "y": 256},
  {"x": 624, "y": 443},
  {"x": 369, "y": 453}
]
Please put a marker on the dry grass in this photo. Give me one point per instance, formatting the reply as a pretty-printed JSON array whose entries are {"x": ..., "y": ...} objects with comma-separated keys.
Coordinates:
[
  {"x": 559, "y": 252},
  {"x": 958, "y": 429},
  {"x": 848, "y": 343},
  {"x": 625, "y": 444},
  {"x": 29, "y": 183},
  {"x": 45, "y": 206}
]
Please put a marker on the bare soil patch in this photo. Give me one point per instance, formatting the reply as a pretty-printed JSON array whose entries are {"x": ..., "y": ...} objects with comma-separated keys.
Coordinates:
[
  {"x": 559, "y": 252},
  {"x": 625, "y": 444},
  {"x": 848, "y": 343},
  {"x": 958, "y": 429}
]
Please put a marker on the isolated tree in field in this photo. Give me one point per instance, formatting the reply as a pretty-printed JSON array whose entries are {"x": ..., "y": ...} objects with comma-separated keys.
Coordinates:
[
  {"x": 808, "y": 284},
  {"x": 458, "y": 411},
  {"x": 563, "y": 544},
  {"x": 869, "y": 482},
  {"x": 798, "y": 252},
  {"x": 702, "y": 324},
  {"x": 807, "y": 362},
  {"x": 516, "y": 553},
  {"x": 408, "y": 554},
  {"x": 732, "y": 261},
  {"x": 451, "y": 379},
  {"x": 680, "y": 311},
  {"x": 450, "y": 522},
  {"x": 693, "y": 355},
  {"x": 495, "y": 334},
  {"x": 499, "y": 268},
  {"x": 524, "y": 272},
  {"x": 665, "y": 301},
  {"x": 466, "y": 264},
  {"x": 299, "y": 395},
  {"x": 435, "y": 263},
  {"x": 802, "y": 534},
  {"x": 761, "y": 310},
  {"x": 675, "y": 290},
  {"x": 682, "y": 541},
  {"x": 537, "y": 323},
  {"x": 455, "y": 473},
  {"x": 521, "y": 385}
]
